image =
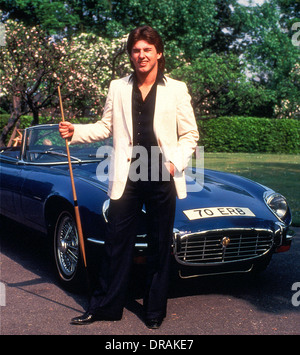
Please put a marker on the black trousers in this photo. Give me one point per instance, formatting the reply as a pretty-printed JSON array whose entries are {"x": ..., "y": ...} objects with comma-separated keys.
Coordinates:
[{"x": 109, "y": 297}]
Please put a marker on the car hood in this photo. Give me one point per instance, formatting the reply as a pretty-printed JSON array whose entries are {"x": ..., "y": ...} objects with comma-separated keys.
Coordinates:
[
  {"x": 220, "y": 189},
  {"x": 210, "y": 189}
]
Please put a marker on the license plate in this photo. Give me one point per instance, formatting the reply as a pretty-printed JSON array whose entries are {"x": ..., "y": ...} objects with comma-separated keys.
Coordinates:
[{"x": 200, "y": 213}]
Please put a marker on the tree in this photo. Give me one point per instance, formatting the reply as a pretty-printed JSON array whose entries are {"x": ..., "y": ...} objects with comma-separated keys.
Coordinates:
[
  {"x": 290, "y": 13},
  {"x": 32, "y": 66},
  {"x": 28, "y": 62},
  {"x": 52, "y": 16},
  {"x": 259, "y": 36},
  {"x": 186, "y": 23},
  {"x": 271, "y": 55},
  {"x": 228, "y": 29},
  {"x": 290, "y": 106},
  {"x": 102, "y": 60},
  {"x": 60, "y": 17},
  {"x": 219, "y": 86}
]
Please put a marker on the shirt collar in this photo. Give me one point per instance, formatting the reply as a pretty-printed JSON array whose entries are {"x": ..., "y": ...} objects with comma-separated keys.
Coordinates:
[{"x": 160, "y": 79}]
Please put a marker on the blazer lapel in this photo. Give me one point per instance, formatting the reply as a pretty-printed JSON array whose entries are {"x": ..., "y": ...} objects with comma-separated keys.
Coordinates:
[
  {"x": 159, "y": 104},
  {"x": 127, "y": 105}
]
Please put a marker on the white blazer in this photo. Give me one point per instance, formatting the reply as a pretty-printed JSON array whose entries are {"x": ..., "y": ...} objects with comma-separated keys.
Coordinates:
[{"x": 174, "y": 126}]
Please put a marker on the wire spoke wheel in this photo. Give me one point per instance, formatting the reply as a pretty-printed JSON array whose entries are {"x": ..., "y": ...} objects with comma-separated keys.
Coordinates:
[{"x": 66, "y": 246}]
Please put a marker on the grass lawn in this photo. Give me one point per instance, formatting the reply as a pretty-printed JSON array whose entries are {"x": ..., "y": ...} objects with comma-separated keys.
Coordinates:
[{"x": 279, "y": 172}]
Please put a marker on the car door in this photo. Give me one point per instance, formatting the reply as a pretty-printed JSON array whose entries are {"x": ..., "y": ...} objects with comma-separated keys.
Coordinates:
[
  {"x": 11, "y": 182},
  {"x": 37, "y": 186}
]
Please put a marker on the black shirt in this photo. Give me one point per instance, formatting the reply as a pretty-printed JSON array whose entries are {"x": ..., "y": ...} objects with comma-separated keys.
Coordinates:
[
  {"x": 143, "y": 114},
  {"x": 142, "y": 121}
]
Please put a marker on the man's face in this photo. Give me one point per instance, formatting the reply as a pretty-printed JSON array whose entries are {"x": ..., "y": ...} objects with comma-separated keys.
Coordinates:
[{"x": 144, "y": 57}]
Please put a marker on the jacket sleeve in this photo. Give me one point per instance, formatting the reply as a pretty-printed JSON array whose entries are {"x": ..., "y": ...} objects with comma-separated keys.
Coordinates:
[{"x": 187, "y": 130}]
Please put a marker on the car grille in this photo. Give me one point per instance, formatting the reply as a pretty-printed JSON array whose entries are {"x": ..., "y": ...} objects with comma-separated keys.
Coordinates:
[{"x": 219, "y": 247}]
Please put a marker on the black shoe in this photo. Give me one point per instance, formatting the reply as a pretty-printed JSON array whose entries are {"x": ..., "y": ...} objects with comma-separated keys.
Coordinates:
[
  {"x": 88, "y": 318},
  {"x": 153, "y": 323}
]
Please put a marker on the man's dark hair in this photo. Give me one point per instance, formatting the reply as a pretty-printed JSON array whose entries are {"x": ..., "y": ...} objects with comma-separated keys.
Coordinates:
[{"x": 150, "y": 35}]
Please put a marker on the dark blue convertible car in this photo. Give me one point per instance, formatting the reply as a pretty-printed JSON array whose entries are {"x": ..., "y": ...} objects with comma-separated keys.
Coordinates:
[{"x": 230, "y": 225}]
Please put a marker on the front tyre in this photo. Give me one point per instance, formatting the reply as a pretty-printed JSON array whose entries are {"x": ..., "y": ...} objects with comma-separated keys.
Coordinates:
[{"x": 68, "y": 262}]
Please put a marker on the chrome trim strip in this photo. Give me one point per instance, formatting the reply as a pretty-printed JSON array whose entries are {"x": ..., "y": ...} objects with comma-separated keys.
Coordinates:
[
  {"x": 102, "y": 242},
  {"x": 96, "y": 241},
  {"x": 141, "y": 245},
  {"x": 54, "y": 163},
  {"x": 216, "y": 273}
]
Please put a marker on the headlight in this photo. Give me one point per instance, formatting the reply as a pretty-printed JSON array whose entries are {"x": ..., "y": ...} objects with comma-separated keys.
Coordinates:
[{"x": 277, "y": 203}]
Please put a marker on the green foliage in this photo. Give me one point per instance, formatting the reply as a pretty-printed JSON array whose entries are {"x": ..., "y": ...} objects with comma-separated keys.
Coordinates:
[
  {"x": 250, "y": 134},
  {"x": 225, "y": 134},
  {"x": 219, "y": 86},
  {"x": 187, "y": 23},
  {"x": 236, "y": 59},
  {"x": 33, "y": 65},
  {"x": 57, "y": 16},
  {"x": 271, "y": 55},
  {"x": 27, "y": 121},
  {"x": 190, "y": 25}
]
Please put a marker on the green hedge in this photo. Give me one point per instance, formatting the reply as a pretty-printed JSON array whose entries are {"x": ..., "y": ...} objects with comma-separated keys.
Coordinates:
[
  {"x": 230, "y": 134},
  {"x": 250, "y": 134}
]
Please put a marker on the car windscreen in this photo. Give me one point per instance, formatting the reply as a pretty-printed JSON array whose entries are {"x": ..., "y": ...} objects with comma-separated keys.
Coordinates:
[{"x": 44, "y": 145}]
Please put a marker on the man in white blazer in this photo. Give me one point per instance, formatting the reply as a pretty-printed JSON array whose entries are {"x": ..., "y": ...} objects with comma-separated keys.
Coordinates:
[{"x": 148, "y": 110}]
